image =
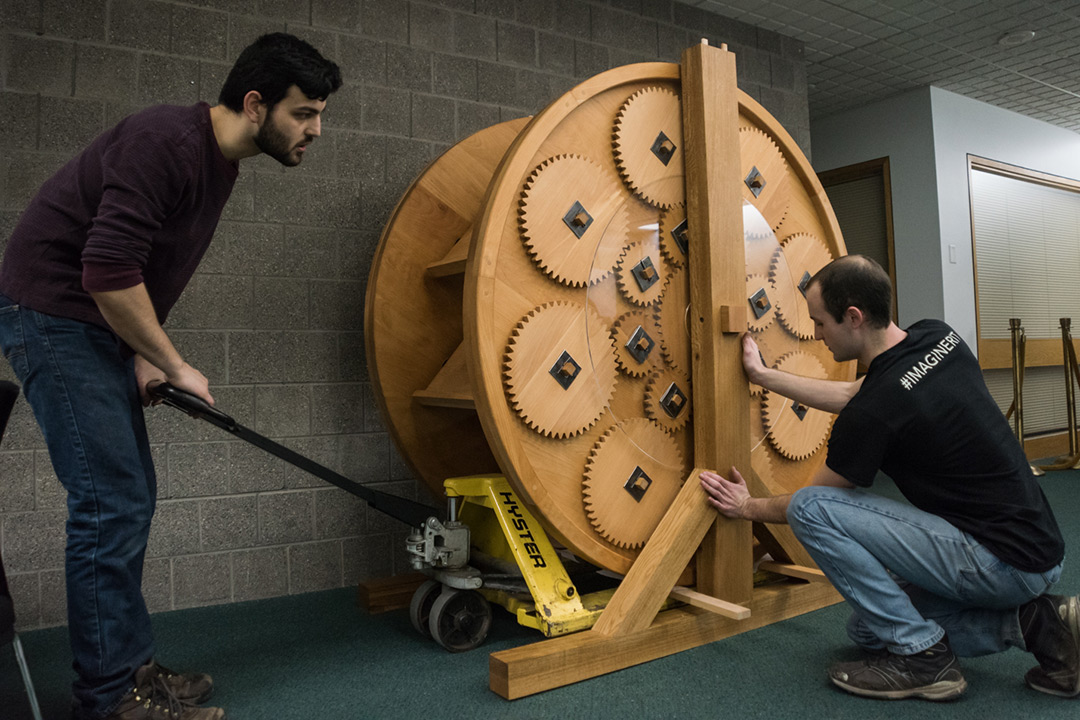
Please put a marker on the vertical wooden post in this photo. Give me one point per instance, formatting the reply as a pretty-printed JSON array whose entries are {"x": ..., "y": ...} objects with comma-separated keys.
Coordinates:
[{"x": 717, "y": 293}]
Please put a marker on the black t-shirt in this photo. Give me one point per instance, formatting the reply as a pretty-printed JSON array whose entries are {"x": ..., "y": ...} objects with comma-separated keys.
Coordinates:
[{"x": 925, "y": 418}]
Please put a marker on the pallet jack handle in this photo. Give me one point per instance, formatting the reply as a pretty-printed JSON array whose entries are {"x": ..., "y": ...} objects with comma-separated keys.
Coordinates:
[{"x": 410, "y": 512}]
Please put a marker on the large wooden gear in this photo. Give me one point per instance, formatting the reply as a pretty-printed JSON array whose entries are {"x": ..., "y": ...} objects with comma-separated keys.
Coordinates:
[{"x": 523, "y": 255}]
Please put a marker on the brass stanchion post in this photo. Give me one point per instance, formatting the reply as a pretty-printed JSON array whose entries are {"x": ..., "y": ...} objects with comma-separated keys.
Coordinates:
[{"x": 1019, "y": 340}]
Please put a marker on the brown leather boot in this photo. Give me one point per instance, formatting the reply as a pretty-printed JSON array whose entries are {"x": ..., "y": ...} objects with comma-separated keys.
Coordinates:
[
  {"x": 153, "y": 698},
  {"x": 1051, "y": 628},
  {"x": 194, "y": 688}
]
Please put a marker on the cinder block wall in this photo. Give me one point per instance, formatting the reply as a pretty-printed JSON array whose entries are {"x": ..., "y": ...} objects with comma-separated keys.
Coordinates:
[{"x": 274, "y": 317}]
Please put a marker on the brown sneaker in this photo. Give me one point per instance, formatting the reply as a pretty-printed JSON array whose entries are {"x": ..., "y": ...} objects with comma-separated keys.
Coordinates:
[
  {"x": 153, "y": 698},
  {"x": 195, "y": 688}
]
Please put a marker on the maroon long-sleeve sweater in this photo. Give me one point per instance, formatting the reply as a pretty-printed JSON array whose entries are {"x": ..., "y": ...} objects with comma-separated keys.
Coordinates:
[{"x": 139, "y": 204}]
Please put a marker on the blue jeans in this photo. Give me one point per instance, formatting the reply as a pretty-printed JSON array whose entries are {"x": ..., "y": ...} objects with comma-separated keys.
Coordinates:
[
  {"x": 911, "y": 577},
  {"x": 84, "y": 397}
]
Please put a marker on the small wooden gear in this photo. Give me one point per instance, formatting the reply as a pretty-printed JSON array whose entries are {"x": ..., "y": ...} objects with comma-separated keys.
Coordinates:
[
  {"x": 760, "y": 298},
  {"x": 649, "y": 146},
  {"x": 643, "y": 272},
  {"x": 573, "y": 219},
  {"x": 560, "y": 369},
  {"x": 795, "y": 430},
  {"x": 668, "y": 399},
  {"x": 802, "y": 256},
  {"x": 672, "y": 317},
  {"x": 637, "y": 343},
  {"x": 674, "y": 238},
  {"x": 633, "y": 473},
  {"x": 764, "y": 175}
]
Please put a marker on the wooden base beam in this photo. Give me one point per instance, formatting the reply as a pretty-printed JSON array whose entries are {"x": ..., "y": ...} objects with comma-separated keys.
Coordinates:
[
  {"x": 386, "y": 594},
  {"x": 553, "y": 663}
]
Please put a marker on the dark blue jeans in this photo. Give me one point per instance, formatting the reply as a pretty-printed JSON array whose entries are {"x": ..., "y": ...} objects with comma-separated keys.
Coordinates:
[{"x": 84, "y": 397}]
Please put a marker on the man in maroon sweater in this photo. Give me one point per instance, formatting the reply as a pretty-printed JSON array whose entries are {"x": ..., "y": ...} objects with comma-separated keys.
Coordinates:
[{"x": 90, "y": 273}]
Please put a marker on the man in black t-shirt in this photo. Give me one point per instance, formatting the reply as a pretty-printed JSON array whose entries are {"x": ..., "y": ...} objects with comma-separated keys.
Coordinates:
[{"x": 964, "y": 569}]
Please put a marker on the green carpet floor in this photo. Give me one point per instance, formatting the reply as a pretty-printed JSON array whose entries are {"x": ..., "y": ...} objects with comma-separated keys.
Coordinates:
[{"x": 318, "y": 656}]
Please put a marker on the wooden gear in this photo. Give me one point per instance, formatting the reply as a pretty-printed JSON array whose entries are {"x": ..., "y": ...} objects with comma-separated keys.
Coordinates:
[{"x": 455, "y": 278}]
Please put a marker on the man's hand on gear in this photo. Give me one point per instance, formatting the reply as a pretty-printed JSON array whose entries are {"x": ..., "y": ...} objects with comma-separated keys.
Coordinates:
[
  {"x": 751, "y": 358},
  {"x": 729, "y": 497}
]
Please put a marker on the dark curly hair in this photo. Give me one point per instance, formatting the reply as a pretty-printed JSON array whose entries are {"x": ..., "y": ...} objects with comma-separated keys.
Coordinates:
[{"x": 274, "y": 63}]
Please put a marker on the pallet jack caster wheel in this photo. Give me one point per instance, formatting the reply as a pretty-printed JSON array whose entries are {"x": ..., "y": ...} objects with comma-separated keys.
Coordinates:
[
  {"x": 420, "y": 606},
  {"x": 460, "y": 619}
]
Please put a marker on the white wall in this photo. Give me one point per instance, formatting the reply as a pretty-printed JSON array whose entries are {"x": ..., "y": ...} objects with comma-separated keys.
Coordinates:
[{"x": 927, "y": 134}]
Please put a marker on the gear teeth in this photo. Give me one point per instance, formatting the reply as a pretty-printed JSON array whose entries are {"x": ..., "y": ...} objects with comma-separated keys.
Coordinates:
[
  {"x": 657, "y": 386},
  {"x": 623, "y": 331},
  {"x": 545, "y": 407},
  {"x": 756, "y": 283},
  {"x": 638, "y": 123},
  {"x": 613, "y": 512},
  {"x": 544, "y": 231},
  {"x": 797, "y": 256},
  {"x": 760, "y": 151},
  {"x": 795, "y": 437},
  {"x": 634, "y": 254}
]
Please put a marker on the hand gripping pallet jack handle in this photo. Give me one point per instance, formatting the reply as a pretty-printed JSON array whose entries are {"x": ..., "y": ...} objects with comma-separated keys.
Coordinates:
[{"x": 411, "y": 513}]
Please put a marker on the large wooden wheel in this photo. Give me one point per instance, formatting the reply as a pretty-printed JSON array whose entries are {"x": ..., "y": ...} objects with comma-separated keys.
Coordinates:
[{"x": 559, "y": 351}]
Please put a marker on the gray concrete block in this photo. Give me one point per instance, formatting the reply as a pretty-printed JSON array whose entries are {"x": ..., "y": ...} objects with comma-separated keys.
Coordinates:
[
  {"x": 539, "y": 14},
  {"x": 252, "y": 469},
  {"x": 378, "y": 523},
  {"x": 362, "y": 61},
  {"x": 323, "y": 40},
  {"x": 556, "y": 53},
  {"x": 496, "y": 84},
  {"x": 175, "y": 529},
  {"x": 34, "y": 540},
  {"x": 103, "y": 72},
  {"x": 386, "y": 19},
  {"x": 337, "y": 305},
  {"x": 672, "y": 41},
  {"x": 462, "y": 5},
  {"x": 211, "y": 77},
  {"x": 516, "y": 44},
  {"x": 159, "y": 459},
  {"x": 752, "y": 66},
  {"x": 367, "y": 558},
  {"x": 84, "y": 20},
  {"x": 39, "y": 65},
  {"x": 167, "y": 425},
  {"x": 399, "y": 469},
  {"x": 454, "y": 76},
  {"x": 339, "y": 514},
  {"x": 655, "y": 9},
  {"x": 21, "y": 15},
  {"x": 68, "y": 124},
  {"x": 260, "y": 573},
  {"x": 336, "y": 14},
  {"x": 405, "y": 158},
  {"x": 214, "y": 302},
  {"x": 286, "y": 517},
  {"x": 427, "y": 27},
  {"x": 318, "y": 160},
  {"x": 204, "y": 350},
  {"x": 22, "y": 432},
  {"x": 26, "y": 597},
  {"x": 345, "y": 108},
  {"x": 335, "y": 203},
  {"x": 17, "y": 471},
  {"x": 140, "y": 24},
  {"x": 322, "y": 450},
  {"x": 352, "y": 358},
  {"x": 201, "y": 580},
  {"x": 244, "y": 29},
  {"x": 53, "y": 598},
  {"x": 241, "y": 204},
  {"x": 283, "y": 410},
  {"x": 337, "y": 408},
  {"x": 782, "y": 73},
  {"x": 373, "y": 420},
  {"x": 473, "y": 117},
  {"x": 157, "y": 584},
  {"x": 379, "y": 201},
  {"x": 385, "y": 111},
  {"x": 229, "y": 523},
  {"x": 535, "y": 90},
  {"x": 167, "y": 80},
  {"x": 280, "y": 198},
  {"x": 408, "y": 68},
  {"x": 590, "y": 59},
  {"x": 24, "y": 175},
  {"x": 623, "y": 30},
  {"x": 49, "y": 494},
  {"x": 432, "y": 118},
  {"x": 365, "y": 458},
  {"x": 361, "y": 157},
  {"x": 246, "y": 248},
  {"x": 500, "y": 9},
  {"x": 255, "y": 357},
  {"x": 294, "y": 10},
  {"x": 474, "y": 36},
  {"x": 770, "y": 41},
  {"x": 200, "y": 33},
  {"x": 198, "y": 469},
  {"x": 573, "y": 18},
  {"x": 314, "y": 566},
  {"x": 310, "y": 357},
  {"x": 311, "y": 252},
  {"x": 281, "y": 303}
]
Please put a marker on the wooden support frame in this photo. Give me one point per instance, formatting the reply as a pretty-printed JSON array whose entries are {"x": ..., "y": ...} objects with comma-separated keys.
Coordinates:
[{"x": 724, "y": 603}]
